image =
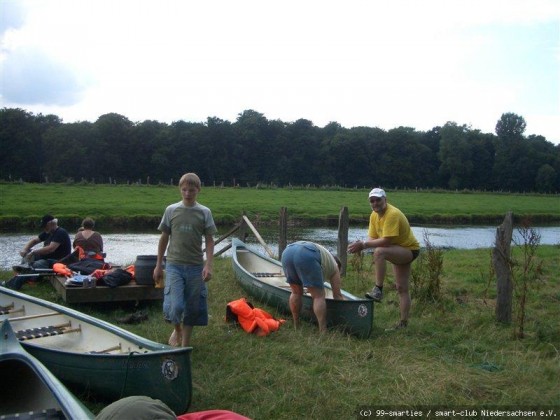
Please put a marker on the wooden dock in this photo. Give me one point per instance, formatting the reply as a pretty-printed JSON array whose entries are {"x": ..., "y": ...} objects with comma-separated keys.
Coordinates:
[{"x": 129, "y": 292}]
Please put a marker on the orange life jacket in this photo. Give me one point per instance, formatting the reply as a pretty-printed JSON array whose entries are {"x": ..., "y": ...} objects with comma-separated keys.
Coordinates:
[
  {"x": 82, "y": 255},
  {"x": 251, "y": 319},
  {"x": 62, "y": 270}
]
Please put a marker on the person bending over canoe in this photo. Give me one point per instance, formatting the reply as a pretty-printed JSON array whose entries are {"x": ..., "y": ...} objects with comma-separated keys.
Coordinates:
[
  {"x": 56, "y": 245},
  {"x": 390, "y": 234},
  {"x": 182, "y": 227},
  {"x": 307, "y": 264}
]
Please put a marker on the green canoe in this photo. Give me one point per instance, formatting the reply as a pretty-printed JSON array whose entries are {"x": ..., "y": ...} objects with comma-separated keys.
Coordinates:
[
  {"x": 263, "y": 278},
  {"x": 93, "y": 356},
  {"x": 30, "y": 390}
]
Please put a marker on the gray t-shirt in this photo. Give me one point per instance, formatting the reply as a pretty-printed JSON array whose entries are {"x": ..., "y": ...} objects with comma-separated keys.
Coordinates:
[
  {"x": 186, "y": 227},
  {"x": 328, "y": 263}
]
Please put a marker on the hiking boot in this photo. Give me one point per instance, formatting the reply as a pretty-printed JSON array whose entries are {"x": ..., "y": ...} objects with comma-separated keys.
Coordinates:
[
  {"x": 398, "y": 326},
  {"x": 376, "y": 294}
]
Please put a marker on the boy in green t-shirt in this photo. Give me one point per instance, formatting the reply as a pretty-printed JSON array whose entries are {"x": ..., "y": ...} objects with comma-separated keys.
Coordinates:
[{"x": 182, "y": 227}]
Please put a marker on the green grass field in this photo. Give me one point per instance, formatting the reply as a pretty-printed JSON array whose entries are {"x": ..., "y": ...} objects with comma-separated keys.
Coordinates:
[
  {"x": 452, "y": 355},
  {"x": 116, "y": 206}
]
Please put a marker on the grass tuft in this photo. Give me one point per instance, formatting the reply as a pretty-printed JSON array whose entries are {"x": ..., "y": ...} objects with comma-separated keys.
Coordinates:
[{"x": 452, "y": 354}]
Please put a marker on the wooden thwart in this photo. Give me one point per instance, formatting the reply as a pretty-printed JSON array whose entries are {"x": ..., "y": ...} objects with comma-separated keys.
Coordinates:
[
  {"x": 108, "y": 350},
  {"x": 23, "y": 318}
]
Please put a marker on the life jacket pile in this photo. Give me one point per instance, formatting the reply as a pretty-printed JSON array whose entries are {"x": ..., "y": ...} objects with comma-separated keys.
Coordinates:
[{"x": 252, "y": 320}]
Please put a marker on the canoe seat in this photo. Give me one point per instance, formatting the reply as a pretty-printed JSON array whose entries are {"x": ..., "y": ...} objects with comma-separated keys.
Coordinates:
[
  {"x": 9, "y": 309},
  {"x": 268, "y": 274},
  {"x": 6, "y": 309},
  {"x": 274, "y": 279},
  {"x": 32, "y": 333},
  {"x": 45, "y": 413}
]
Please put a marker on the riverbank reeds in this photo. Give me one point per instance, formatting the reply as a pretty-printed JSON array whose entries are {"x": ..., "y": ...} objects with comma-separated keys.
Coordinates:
[{"x": 453, "y": 354}]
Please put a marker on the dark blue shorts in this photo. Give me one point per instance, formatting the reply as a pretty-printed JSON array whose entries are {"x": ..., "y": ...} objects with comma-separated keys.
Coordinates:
[{"x": 301, "y": 262}]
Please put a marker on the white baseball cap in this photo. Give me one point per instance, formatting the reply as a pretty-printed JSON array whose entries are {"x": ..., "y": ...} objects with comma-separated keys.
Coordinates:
[{"x": 377, "y": 192}]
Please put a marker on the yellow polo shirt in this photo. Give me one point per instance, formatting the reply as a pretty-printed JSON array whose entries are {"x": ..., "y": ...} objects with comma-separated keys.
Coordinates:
[{"x": 393, "y": 224}]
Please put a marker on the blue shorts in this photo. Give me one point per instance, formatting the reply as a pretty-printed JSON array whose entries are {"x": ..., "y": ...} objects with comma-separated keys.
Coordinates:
[
  {"x": 301, "y": 262},
  {"x": 184, "y": 296}
]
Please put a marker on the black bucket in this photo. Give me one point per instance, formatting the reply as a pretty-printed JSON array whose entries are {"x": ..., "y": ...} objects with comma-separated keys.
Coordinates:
[{"x": 144, "y": 269}]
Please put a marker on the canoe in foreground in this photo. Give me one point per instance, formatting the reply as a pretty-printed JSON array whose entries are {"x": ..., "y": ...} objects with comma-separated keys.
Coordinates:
[
  {"x": 93, "y": 356},
  {"x": 30, "y": 389},
  {"x": 263, "y": 278}
]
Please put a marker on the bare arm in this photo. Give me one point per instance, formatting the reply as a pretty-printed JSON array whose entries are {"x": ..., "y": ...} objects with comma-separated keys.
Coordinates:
[
  {"x": 335, "y": 281},
  {"x": 46, "y": 249},
  {"x": 162, "y": 247},
  {"x": 358, "y": 246},
  {"x": 207, "y": 270},
  {"x": 29, "y": 245}
]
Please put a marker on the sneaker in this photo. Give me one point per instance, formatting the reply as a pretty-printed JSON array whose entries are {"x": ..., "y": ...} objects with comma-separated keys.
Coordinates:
[
  {"x": 23, "y": 269},
  {"x": 376, "y": 294},
  {"x": 398, "y": 326}
]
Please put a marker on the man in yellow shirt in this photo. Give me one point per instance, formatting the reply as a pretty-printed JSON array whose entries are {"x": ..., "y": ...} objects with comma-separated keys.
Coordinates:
[{"x": 390, "y": 234}]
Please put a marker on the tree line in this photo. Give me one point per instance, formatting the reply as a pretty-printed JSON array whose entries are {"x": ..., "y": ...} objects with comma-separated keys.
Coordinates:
[{"x": 254, "y": 149}]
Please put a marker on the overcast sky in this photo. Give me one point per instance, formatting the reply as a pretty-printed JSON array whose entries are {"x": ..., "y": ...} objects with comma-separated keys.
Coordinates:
[{"x": 390, "y": 63}]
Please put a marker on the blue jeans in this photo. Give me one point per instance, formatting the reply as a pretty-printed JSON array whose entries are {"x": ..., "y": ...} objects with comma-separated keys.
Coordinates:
[{"x": 184, "y": 296}]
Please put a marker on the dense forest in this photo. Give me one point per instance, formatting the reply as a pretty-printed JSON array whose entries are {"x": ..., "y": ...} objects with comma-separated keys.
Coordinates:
[{"x": 253, "y": 150}]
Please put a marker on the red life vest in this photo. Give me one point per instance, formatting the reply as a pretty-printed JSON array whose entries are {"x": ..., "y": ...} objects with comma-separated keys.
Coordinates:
[
  {"x": 62, "y": 270},
  {"x": 251, "y": 319}
]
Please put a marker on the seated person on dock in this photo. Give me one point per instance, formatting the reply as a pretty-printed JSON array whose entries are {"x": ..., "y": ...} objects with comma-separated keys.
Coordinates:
[
  {"x": 88, "y": 239},
  {"x": 56, "y": 245}
]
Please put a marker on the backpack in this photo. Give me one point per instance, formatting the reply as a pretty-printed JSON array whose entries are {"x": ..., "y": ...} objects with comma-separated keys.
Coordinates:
[
  {"x": 118, "y": 277},
  {"x": 88, "y": 266}
]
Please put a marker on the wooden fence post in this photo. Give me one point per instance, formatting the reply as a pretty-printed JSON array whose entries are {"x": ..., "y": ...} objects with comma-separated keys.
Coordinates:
[
  {"x": 501, "y": 259},
  {"x": 283, "y": 239},
  {"x": 342, "y": 245}
]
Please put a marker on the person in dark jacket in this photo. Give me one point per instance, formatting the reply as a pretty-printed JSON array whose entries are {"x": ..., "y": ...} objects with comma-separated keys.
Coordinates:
[{"x": 56, "y": 244}]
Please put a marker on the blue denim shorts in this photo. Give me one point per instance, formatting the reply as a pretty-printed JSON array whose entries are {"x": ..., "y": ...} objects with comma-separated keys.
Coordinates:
[
  {"x": 301, "y": 262},
  {"x": 184, "y": 296}
]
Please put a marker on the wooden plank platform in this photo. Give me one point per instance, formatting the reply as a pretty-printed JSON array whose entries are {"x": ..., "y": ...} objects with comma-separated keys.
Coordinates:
[{"x": 131, "y": 291}]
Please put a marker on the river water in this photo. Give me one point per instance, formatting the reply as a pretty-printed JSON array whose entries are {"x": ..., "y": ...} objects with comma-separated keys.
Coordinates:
[{"x": 122, "y": 248}]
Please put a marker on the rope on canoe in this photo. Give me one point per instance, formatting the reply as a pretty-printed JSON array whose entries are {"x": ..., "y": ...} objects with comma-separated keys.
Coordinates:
[
  {"x": 128, "y": 359},
  {"x": 51, "y": 330}
]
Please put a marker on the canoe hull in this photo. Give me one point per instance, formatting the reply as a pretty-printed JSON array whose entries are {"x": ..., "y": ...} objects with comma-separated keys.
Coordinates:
[
  {"x": 135, "y": 365},
  {"x": 352, "y": 315},
  {"x": 160, "y": 375},
  {"x": 32, "y": 387}
]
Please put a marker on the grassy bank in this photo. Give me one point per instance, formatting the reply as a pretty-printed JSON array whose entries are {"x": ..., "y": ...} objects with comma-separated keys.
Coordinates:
[
  {"x": 137, "y": 206},
  {"x": 453, "y": 353}
]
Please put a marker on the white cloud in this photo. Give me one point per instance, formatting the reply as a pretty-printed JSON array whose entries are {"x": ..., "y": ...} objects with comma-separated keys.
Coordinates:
[{"x": 359, "y": 62}]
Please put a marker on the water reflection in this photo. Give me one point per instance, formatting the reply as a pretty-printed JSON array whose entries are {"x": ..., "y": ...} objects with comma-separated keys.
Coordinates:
[{"x": 122, "y": 248}]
